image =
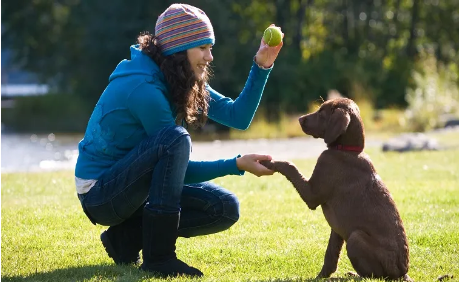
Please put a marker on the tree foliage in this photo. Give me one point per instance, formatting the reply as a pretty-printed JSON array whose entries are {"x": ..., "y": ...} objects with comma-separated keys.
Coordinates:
[{"x": 74, "y": 45}]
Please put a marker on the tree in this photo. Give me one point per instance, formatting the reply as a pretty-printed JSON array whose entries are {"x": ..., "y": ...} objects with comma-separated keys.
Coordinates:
[{"x": 75, "y": 44}]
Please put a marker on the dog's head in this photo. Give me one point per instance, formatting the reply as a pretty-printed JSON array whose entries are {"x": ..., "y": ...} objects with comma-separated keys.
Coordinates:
[{"x": 337, "y": 121}]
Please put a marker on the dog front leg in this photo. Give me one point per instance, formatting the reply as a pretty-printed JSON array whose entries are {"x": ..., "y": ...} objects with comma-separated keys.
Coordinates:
[
  {"x": 301, "y": 184},
  {"x": 335, "y": 243}
]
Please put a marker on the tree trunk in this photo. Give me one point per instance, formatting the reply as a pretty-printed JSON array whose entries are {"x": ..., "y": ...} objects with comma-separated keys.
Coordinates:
[
  {"x": 411, "y": 48},
  {"x": 281, "y": 5},
  {"x": 389, "y": 36},
  {"x": 301, "y": 16}
]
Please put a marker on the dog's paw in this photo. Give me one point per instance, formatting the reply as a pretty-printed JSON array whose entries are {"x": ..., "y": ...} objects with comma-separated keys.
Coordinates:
[
  {"x": 324, "y": 273},
  {"x": 440, "y": 278},
  {"x": 268, "y": 164},
  {"x": 352, "y": 274},
  {"x": 321, "y": 276}
]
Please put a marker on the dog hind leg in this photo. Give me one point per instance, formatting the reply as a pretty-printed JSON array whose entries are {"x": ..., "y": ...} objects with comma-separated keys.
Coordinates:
[{"x": 362, "y": 254}]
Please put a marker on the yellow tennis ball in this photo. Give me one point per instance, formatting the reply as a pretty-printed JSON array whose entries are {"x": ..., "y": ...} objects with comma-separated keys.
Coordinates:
[{"x": 272, "y": 36}]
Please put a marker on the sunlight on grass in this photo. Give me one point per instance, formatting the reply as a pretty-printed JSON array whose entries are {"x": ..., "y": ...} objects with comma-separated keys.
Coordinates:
[{"x": 46, "y": 237}]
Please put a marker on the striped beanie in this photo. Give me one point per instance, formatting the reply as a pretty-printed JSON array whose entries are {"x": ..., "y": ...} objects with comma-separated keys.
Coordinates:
[{"x": 181, "y": 27}]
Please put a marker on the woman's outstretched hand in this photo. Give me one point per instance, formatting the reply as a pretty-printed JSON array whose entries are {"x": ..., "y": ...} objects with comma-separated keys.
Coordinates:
[
  {"x": 266, "y": 55},
  {"x": 250, "y": 163}
]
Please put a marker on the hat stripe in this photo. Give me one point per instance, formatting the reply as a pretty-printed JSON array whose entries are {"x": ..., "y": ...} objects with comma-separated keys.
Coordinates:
[
  {"x": 176, "y": 27},
  {"x": 186, "y": 32},
  {"x": 167, "y": 22},
  {"x": 181, "y": 40},
  {"x": 170, "y": 12},
  {"x": 177, "y": 17},
  {"x": 182, "y": 28},
  {"x": 185, "y": 46}
]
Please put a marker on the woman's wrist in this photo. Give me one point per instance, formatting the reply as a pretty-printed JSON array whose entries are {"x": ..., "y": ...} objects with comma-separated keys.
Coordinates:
[
  {"x": 238, "y": 162},
  {"x": 260, "y": 65}
]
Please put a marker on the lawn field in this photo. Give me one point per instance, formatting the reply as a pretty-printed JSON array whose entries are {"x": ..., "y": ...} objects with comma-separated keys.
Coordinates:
[{"x": 46, "y": 237}]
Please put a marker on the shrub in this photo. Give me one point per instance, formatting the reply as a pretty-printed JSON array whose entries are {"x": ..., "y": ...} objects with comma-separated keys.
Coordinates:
[{"x": 435, "y": 94}]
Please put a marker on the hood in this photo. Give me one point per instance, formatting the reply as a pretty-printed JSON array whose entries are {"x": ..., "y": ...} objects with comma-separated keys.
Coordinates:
[{"x": 139, "y": 64}]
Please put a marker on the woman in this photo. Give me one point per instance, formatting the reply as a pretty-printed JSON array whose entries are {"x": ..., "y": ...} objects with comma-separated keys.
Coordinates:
[{"x": 133, "y": 171}]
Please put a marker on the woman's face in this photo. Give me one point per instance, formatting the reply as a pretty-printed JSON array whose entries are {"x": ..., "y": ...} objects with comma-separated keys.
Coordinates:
[{"x": 199, "y": 58}]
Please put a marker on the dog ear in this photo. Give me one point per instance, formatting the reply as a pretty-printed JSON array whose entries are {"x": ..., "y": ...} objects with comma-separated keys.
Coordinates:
[{"x": 337, "y": 125}]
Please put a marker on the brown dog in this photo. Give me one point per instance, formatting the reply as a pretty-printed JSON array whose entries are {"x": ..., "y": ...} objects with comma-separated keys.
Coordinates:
[{"x": 354, "y": 200}]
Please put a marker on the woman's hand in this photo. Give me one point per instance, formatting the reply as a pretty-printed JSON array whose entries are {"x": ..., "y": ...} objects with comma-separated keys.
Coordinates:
[
  {"x": 266, "y": 55},
  {"x": 250, "y": 163}
]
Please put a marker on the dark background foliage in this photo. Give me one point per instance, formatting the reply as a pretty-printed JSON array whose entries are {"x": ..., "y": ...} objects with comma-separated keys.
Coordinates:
[{"x": 372, "y": 45}]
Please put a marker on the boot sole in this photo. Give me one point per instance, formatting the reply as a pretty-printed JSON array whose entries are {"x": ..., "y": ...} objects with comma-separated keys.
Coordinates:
[{"x": 169, "y": 269}]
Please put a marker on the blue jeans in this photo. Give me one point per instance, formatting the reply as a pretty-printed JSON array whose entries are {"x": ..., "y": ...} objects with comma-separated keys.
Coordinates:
[{"x": 151, "y": 176}]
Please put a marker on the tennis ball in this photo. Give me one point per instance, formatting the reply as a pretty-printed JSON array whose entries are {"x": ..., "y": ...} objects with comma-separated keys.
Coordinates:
[{"x": 272, "y": 36}]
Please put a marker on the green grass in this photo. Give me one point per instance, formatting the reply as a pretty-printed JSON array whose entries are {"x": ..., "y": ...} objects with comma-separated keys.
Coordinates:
[{"x": 46, "y": 237}]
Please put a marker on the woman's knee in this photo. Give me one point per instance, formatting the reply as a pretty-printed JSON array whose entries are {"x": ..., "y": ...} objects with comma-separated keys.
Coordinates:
[
  {"x": 224, "y": 203},
  {"x": 177, "y": 137},
  {"x": 226, "y": 212},
  {"x": 230, "y": 208},
  {"x": 207, "y": 208}
]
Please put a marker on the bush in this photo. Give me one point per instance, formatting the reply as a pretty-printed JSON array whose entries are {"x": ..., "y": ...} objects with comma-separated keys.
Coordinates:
[{"x": 435, "y": 95}]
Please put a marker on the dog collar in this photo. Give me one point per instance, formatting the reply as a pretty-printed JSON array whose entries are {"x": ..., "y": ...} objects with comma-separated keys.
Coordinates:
[{"x": 347, "y": 148}]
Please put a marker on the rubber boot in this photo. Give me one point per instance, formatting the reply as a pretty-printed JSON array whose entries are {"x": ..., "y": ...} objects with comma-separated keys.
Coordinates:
[
  {"x": 159, "y": 238},
  {"x": 123, "y": 242}
]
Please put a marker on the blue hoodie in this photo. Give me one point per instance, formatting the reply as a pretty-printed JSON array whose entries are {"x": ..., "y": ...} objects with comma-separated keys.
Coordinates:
[{"x": 134, "y": 105}]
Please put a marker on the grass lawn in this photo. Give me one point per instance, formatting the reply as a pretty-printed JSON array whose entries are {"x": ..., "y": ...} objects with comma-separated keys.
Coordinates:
[{"x": 46, "y": 237}]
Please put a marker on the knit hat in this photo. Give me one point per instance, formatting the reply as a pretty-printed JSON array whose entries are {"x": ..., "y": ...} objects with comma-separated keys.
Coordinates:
[{"x": 181, "y": 27}]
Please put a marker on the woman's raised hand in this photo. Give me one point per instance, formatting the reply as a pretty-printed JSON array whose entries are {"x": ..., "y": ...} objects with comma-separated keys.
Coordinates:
[{"x": 266, "y": 55}]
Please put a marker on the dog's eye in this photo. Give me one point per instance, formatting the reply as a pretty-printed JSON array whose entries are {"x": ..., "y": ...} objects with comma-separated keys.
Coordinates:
[{"x": 322, "y": 114}]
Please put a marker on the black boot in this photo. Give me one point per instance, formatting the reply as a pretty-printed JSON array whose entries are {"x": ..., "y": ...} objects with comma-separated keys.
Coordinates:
[
  {"x": 159, "y": 237},
  {"x": 123, "y": 242}
]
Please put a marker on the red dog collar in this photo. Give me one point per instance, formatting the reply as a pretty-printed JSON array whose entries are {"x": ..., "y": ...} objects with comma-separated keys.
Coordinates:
[{"x": 347, "y": 148}]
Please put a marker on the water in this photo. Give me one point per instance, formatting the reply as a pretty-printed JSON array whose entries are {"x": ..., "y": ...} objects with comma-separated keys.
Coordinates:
[{"x": 31, "y": 152}]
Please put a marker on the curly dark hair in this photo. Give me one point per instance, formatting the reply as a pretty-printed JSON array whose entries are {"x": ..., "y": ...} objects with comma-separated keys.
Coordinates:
[{"x": 187, "y": 93}]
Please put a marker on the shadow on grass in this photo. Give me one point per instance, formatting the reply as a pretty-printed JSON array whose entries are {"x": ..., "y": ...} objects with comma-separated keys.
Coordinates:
[
  {"x": 349, "y": 279},
  {"x": 114, "y": 272},
  {"x": 127, "y": 273}
]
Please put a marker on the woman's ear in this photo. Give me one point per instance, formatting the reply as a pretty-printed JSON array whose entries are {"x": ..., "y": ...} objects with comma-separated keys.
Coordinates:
[{"x": 337, "y": 125}]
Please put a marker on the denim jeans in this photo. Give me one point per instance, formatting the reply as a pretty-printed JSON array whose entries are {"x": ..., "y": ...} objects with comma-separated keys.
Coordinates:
[{"x": 151, "y": 176}]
